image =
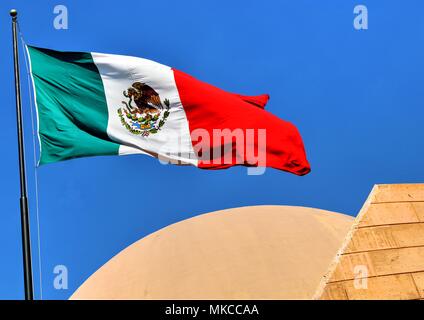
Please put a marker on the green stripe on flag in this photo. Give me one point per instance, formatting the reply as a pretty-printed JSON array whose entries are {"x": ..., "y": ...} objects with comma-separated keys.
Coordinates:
[{"x": 71, "y": 104}]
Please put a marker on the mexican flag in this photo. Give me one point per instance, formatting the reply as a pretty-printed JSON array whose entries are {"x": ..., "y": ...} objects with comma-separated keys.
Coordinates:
[{"x": 91, "y": 104}]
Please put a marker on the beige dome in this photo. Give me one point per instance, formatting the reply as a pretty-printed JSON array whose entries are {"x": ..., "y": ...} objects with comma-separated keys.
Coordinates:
[{"x": 262, "y": 252}]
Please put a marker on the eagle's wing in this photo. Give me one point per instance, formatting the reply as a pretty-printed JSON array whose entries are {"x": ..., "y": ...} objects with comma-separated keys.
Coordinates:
[
  {"x": 155, "y": 100},
  {"x": 151, "y": 95}
]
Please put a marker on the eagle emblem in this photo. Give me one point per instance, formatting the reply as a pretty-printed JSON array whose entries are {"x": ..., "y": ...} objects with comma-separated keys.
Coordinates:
[{"x": 143, "y": 112}]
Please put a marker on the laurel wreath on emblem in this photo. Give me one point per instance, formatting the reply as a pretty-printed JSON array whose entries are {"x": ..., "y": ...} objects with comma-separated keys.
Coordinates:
[{"x": 149, "y": 114}]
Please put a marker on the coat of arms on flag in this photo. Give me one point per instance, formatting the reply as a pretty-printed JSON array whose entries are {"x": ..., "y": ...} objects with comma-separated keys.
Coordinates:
[{"x": 148, "y": 115}]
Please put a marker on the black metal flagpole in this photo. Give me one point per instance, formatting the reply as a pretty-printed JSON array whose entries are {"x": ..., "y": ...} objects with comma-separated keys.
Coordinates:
[{"x": 26, "y": 240}]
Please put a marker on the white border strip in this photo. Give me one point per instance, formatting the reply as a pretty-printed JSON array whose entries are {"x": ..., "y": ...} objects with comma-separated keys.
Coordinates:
[{"x": 35, "y": 102}]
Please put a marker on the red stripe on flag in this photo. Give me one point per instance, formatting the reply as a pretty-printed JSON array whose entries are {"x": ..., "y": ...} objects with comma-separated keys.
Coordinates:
[{"x": 211, "y": 110}]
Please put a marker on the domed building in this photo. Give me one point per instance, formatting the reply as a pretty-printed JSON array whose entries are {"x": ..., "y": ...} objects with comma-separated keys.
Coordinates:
[
  {"x": 261, "y": 252},
  {"x": 278, "y": 252}
]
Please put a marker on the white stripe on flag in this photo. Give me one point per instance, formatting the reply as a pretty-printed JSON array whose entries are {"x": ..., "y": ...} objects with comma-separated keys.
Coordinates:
[{"x": 173, "y": 140}]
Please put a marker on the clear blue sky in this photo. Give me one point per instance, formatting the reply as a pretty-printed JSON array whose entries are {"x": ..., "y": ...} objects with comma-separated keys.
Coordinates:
[{"x": 357, "y": 97}]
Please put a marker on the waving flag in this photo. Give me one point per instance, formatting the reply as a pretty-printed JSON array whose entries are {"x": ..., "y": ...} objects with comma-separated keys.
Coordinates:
[{"x": 91, "y": 104}]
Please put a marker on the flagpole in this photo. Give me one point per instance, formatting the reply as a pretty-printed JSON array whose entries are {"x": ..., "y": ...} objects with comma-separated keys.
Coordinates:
[{"x": 26, "y": 240}]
